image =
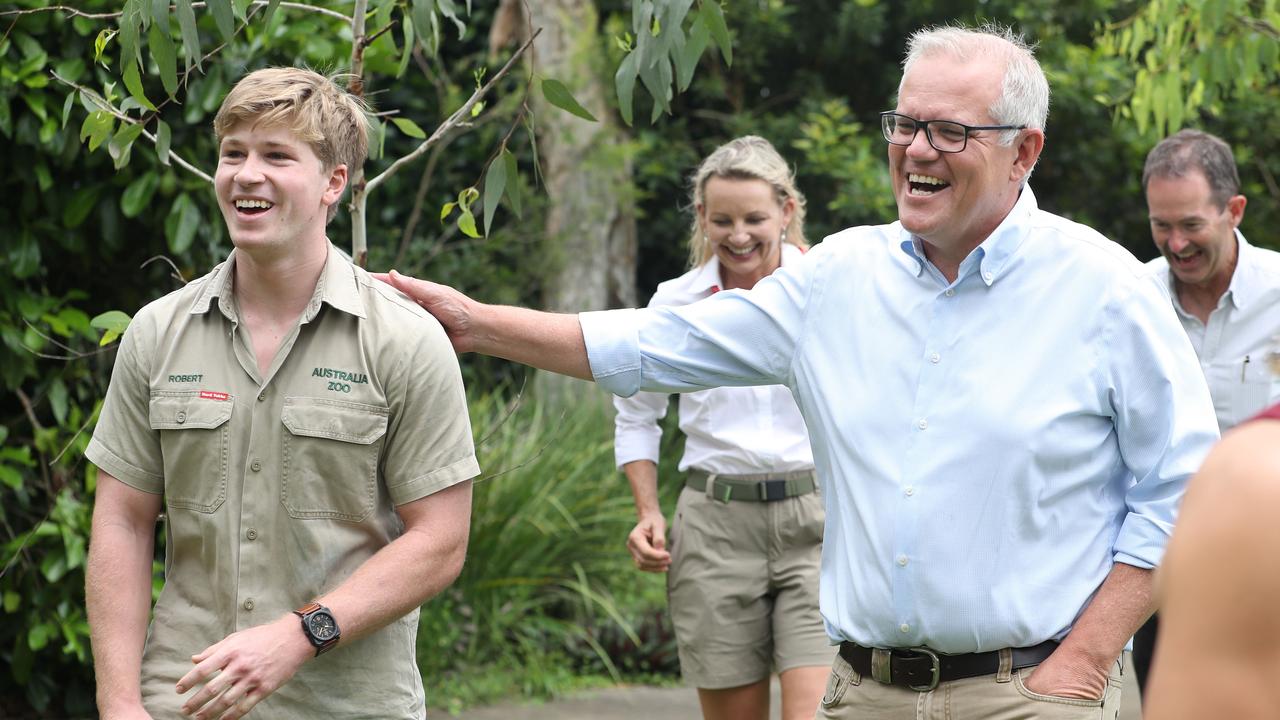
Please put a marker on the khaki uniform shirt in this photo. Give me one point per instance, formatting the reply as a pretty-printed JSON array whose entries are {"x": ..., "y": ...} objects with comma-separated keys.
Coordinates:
[{"x": 277, "y": 488}]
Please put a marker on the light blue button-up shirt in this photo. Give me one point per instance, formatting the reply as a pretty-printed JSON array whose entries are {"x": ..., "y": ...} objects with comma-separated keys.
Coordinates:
[{"x": 987, "y": 448}]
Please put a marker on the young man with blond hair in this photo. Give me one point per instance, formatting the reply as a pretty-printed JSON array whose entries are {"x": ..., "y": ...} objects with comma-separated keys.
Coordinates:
[{"x": 304, "y": 431}]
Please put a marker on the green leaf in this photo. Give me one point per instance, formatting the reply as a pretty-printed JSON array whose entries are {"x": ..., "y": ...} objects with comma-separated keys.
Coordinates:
[
  {"x": 713, "y": 16},
  {"x": 160, "y": 14},
  {"x": 625, "y": 83},
  {"x": 53, "y": 567},
  {"x": 446, "y": 209},
  {"x": 409, "y": 127},
  {"x": 407, "y": 27},
  {"x": 12, "y": 478},
  {"x": 190, "y": 36},
  {"x": 224, "y": 16},
  {"x": 691, "y": 53},
  {"x": 269, "y": 12},
  {"x": 241, "y": 8},
  {"x": 466, "y": 197},
  {"x": 450, "y": 10},
  {"x": 181, "y": 224},
  {"x": 495, "y": 182},
  {"x": 121, "y": 145},
  {"x": 66, "y": 107},
  {"x": 96, "y": 127},
  {"x": 100, "y": 43},
  {"x": 78, "y": 208},
  {"x": 513, "y": 182},
  {"x": 163, "y": 138},
  {"x": 424, "y": 17},
  {"x": 12, "y": 600},
  {"x": 111, "y": 320},
  {"x": 467, "y": 224},
  {"x": 134, "y": 84},
  {"x": 558, "y": 95},
  {"x": 38, "y": 636},
  {"x": 137, "y": 196},
  {"x": 165, "y": 54},
  {"x": 58, "y": 400}
]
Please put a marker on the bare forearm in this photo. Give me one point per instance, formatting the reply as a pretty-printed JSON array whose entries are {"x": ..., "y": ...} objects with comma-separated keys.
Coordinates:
[
  {"x": 118, "y": 599},
  {"x": 404, "y": 574},
  {"x": 1121, "y": 605},
  {"x": 550, "y": 341},
  {"x": 643, "y": 477}
]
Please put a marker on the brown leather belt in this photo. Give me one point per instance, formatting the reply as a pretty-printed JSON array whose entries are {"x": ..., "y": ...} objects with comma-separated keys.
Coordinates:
[{"x": 921, "y": 669}]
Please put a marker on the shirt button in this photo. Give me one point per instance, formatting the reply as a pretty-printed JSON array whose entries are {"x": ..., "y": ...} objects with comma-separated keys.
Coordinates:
[
  {"x": 909, "y": 490},
  {"x": 923, "y": 424},
  {"x": 987, "y": 276},
  {"x": 251, "y": 534},
  {"x": 935, "y": 358},
  {"x": 182, "y": 417},
  {"x": 262, "y": 396},
  {"x": 950, "y": 292},
  {"x": 904, "y": 627},
  {"x": 902, "y": 561},
  {"x": 248, "y": 604},
  {"x": 256, "y": 465}
]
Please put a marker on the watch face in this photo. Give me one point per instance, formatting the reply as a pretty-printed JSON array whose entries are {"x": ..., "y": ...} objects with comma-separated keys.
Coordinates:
[{"x": 322, "y": 625}]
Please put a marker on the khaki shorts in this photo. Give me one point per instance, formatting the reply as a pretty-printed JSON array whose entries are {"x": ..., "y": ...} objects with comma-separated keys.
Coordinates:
[{"x": 743, "y": 588}]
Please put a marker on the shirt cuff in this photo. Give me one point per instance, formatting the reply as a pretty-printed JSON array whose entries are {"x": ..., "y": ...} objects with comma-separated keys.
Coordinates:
[
  {"x": 1141, "y": 542},
  {"x": 613, "y": 349},
  {"x": 123, "y": 470}
]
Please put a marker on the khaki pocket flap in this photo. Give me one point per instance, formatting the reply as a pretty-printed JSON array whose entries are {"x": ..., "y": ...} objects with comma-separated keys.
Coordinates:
[
  {"x": 188, "y": 411},
  {"x": 334, "y": 419}
]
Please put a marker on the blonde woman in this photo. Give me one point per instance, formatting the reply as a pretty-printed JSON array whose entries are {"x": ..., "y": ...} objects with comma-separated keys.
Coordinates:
[{"x": 747, "y": 534}]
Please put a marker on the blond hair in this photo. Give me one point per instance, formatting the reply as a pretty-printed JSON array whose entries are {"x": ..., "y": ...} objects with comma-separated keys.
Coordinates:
[
  {"x": 330, "y": 120},
  {"x": 746, "y": 158}
]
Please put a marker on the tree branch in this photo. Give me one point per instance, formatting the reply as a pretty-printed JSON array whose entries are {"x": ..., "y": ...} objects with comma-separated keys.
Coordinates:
[
  {"x": 76, "y": 12},
  {"x": 454, "y": 120},
  {"x": 102, "y": 103}
]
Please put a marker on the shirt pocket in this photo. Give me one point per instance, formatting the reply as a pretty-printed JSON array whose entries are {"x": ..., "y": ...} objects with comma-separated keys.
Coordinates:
[
  {"x": 330, "y": 458},
  {"x": 193, "y": 441},
  {"x": 1241, "y": 390}
]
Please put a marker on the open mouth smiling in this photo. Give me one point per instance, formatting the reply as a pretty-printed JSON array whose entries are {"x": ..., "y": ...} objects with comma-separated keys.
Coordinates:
[
  {"x": 925, "y": 185},
  {"x": 247, "y": 206}
]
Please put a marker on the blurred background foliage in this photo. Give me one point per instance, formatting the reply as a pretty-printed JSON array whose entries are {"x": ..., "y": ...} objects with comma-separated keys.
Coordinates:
[{"x": 548, "y": 596}]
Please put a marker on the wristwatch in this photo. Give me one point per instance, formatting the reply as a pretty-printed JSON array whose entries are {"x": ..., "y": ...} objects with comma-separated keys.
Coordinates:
[{"x": 319, "y": 625}]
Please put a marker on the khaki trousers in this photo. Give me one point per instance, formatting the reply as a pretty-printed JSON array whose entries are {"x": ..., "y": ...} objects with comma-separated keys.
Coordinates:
[{"x": 1002, "y": 696}]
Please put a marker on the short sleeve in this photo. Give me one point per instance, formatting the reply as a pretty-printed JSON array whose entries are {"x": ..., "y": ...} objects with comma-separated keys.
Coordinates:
[
  {"x": 123, "y": 443},
  {"x": 429, "y": 445}
]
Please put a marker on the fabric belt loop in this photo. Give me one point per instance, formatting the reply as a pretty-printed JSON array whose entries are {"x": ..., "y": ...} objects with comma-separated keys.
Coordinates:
[{"x": 1005, "y": 672}]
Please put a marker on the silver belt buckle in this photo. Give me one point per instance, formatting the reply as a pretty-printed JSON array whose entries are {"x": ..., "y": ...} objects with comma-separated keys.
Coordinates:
[{"x": 937, "y": 670}]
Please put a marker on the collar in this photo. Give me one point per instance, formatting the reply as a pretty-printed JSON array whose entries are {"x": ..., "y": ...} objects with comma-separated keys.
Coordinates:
[
  {"x": 1243, "y": 290},
  {"x": 706, "y": 280},
  {"x": 993, "y": 255},
  {"x": 337, "y": 286}
]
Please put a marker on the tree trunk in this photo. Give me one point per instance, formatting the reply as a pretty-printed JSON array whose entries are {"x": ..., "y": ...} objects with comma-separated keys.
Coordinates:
[{"x": 590, "y": 233}]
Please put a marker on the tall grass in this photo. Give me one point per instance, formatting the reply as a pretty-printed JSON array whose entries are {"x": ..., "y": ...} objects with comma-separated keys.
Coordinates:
[{"x": 548, "y": 583}]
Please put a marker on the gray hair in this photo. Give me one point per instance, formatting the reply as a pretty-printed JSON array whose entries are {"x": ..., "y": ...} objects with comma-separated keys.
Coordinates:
[
  {"x": 1188, "y": 151},
  {"x": 749, "y": 157},
  {"x": 1024, "y": 95}
]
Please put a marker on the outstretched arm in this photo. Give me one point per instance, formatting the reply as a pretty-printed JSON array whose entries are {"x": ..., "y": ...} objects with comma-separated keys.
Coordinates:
[
  {"x": 549, "y": 341},
  {"x": 118, "y": 592},
  {"x": 237, "y": 672}
]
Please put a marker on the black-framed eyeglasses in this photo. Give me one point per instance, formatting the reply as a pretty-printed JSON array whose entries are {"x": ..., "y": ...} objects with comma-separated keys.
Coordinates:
[{"x": 944, "y": 135}]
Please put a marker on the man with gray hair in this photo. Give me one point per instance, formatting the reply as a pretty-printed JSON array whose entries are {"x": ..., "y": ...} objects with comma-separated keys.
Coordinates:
[
  {"x": 1003, "y": 410},
  {"x": 1226, "y": 292}
]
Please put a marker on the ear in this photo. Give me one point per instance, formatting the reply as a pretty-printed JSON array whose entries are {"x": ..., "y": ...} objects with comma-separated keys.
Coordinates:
[
  {"x": 1030, "y": 143},
  {"x": 1235, "y": 206},
  {"x": 788, "y": 209},
  {"x": 337, "y": 183}
]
